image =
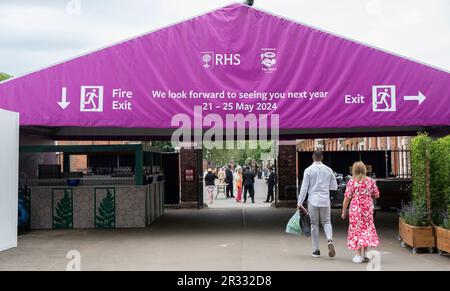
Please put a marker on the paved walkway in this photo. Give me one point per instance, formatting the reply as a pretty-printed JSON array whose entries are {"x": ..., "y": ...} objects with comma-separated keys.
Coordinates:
[{"x": 208, "y": 239}]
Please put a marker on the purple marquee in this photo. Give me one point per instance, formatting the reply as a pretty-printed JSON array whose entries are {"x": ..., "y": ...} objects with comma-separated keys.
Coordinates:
[{"x": 236, "y": 59}]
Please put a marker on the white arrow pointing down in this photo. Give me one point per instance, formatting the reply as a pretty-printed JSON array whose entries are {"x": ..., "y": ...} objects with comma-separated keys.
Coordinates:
[
  {"x": 63, "y": 103},
  {"x": 419, "y": 97}
]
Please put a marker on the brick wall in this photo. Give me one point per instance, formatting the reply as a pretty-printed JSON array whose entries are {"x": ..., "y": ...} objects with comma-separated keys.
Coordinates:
[
  {"x": 78, "y": 163},
  {"x": 190, "y": 159},
  {"x": 306, "y": 145}
]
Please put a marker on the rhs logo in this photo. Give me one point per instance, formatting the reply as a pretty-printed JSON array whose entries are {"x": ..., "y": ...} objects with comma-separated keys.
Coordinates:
[
  {"x": 207, "y": 59},
  {"x": 211, "y": 59}
]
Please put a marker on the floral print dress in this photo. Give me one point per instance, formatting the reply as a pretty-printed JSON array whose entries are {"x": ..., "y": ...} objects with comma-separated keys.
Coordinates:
[{"x": 361, "y": 231}]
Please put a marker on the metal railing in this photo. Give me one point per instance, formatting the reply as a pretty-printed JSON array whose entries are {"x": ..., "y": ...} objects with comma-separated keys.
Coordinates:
[{"x": 401, "y": 163}]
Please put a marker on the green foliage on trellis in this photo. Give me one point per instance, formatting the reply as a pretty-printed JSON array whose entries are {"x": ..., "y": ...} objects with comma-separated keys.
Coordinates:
[
  {"x": 440, "y": 178},
  {"x": 438, "y": 153},
  {"x": 420, "y": 152}
]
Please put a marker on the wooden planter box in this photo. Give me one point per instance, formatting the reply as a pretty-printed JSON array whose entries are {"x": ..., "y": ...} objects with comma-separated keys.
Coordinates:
[
  {"x": 442, "y": 239},
  {"x": 417, "y": 237}
]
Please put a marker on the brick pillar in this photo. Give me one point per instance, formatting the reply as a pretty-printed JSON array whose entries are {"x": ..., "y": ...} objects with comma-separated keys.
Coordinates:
[
  {"x": 287, "y": 173},
  {"x": 191, "y": 159}
]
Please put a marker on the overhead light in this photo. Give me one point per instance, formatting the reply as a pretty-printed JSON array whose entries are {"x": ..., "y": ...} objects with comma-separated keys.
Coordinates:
[{"x": 249, "y": 2}]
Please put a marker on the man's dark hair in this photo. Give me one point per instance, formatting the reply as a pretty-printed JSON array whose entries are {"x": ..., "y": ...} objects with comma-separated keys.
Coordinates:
[{"x": 318, "y": 155}]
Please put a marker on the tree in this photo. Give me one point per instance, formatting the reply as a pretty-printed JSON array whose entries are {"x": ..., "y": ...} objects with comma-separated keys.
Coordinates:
[
  {"x": 166, "y": 146},
  {"x": 4, "y": 76},
  {"x": 222, "y": 157}
]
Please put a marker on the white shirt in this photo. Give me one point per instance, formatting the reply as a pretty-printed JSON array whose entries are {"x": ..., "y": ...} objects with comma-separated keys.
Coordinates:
[{"x": 318, "y": 180}]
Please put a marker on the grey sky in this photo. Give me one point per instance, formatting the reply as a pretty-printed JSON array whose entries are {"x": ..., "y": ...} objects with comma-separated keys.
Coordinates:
[{"x": 38, "y": 33}]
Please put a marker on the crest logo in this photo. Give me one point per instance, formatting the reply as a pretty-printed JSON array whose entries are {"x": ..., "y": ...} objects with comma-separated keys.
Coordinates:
[{"x": 268, "y": 60}]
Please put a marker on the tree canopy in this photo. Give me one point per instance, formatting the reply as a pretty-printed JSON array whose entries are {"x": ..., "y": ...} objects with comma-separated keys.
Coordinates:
[
  {"x": 222, "y": 157},
  {"x": 4, "y": 76}
]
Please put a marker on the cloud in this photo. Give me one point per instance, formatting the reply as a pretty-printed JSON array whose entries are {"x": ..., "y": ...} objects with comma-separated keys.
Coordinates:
[{"x": 36, "y": 35}]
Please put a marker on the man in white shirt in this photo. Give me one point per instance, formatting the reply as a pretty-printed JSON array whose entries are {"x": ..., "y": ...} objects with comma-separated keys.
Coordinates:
[{"x": 318, "y": 180}]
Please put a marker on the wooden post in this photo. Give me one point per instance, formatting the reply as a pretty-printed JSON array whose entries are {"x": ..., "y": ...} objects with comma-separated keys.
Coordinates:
[
  {"x": 66, "y": 162},
  {"x": 139, "y": 165}
]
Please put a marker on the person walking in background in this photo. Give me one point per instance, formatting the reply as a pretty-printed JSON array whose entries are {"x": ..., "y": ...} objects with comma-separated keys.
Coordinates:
[
  {"x": 221, "y": 176},
  {"x": 249, "y": 184},
  {"x": 318, "y": 180},
  {"x": 359, "y": 194},
  {"x": 270, "y": 184},
  {"x": 229, "y": 178},
  {"x": 239, "y": 184},
  {"x": 210, "y": 183}
]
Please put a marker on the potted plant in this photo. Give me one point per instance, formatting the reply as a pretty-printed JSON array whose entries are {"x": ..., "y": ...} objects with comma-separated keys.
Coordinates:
[
  {"x": 415, "y": 225},
  {"x": 415, "y": 229},
  {"x": 443, "y": 234}
]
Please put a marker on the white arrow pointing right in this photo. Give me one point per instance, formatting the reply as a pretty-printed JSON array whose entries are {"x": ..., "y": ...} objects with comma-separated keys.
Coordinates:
[
  {"x": 63, "y": 103},
  {"x": 419, "y": 97}
]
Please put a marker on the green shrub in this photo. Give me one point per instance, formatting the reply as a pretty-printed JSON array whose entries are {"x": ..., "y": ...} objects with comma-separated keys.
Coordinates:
[
  {"x": 420, "y": 152},
  {"x": 438, "y": 153},
  {"x": 440, "y": 178},
  {"x": 415, "y": 213},
  {"x": 446, "y": 219},
  {"x": 446, "y": 224}
]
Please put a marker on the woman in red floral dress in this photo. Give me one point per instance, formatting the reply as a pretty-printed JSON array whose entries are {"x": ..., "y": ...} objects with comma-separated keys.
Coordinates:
[{"x": 360, "y": 192}]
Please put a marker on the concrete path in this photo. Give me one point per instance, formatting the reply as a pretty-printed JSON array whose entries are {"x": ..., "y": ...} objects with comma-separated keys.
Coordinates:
[{"x": 208, "y": 239}]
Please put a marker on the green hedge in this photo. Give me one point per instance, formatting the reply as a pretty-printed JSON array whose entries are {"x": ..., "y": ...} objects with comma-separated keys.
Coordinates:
[
  {"x": 440, "y": 178},
  {"x": 416, "y": 213},
  {"x": 438, "y": 151},
  {"x": 420, "y": 149}
]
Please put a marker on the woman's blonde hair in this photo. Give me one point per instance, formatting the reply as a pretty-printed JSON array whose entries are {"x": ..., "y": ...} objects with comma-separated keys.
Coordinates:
[{"x": 359, "y": 170}]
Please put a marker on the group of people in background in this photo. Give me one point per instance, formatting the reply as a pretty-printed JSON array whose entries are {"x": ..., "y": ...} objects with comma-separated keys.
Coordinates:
[{"x": 242, "y": 179}]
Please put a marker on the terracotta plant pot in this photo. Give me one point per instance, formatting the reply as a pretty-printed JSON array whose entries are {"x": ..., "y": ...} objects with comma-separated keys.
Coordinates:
[
  {"x": 442, "y": 240},
  {"x": 416, "y": 237}
]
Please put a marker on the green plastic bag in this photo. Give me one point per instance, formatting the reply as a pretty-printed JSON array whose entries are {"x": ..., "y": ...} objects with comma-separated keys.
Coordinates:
[{"x": 293, "y": 226}]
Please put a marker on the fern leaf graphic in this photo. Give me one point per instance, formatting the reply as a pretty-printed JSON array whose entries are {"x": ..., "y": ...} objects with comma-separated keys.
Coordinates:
[
  {"x": 63, "y": 218},
  {"x": 106, "y": 217}
]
